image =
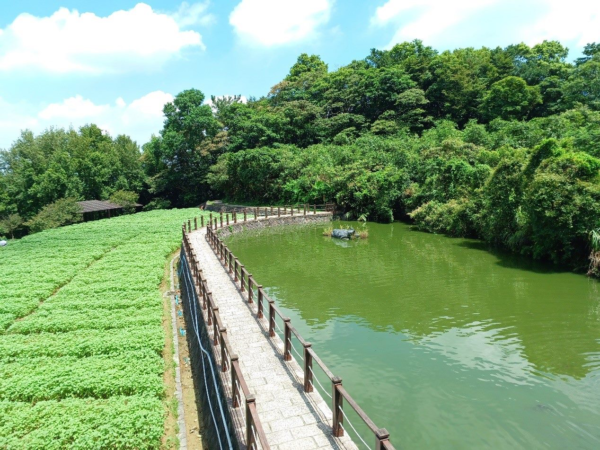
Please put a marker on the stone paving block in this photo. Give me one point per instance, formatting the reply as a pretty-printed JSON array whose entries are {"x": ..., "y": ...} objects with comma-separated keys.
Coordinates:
[
  {"x": 310, "y": 418},
  {"x": 280, "y": 437},
  {"x": 303, "y": 432},
  {"x": 299, "y": 444},
  {"x": 286, "y": 424}
]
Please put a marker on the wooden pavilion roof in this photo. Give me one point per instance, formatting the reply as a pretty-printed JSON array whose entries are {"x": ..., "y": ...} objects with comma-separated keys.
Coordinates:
[{"x": 98, "y": 205}]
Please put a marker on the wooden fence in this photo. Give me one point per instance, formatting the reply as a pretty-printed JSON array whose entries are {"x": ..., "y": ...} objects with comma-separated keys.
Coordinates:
[
  {"x": 255, "y": 434},
  {"x": 255, "y": 292}
]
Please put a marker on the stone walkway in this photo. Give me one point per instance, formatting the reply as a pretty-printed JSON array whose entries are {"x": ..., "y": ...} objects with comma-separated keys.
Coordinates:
[{"x": 291, "y": 418}]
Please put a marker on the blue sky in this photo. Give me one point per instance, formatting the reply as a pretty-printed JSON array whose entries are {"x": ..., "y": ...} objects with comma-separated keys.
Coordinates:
[{"x": 116, "y": 62}]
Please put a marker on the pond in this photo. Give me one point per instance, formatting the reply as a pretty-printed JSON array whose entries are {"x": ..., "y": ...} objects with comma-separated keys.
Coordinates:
[{"x": 442, "y": 342}]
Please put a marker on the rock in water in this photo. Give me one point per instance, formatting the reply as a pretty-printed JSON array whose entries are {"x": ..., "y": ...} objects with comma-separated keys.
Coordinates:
[{"x": 342, "y": 234}]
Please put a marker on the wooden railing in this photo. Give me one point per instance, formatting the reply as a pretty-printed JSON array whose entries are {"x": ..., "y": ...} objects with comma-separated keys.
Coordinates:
[
  {"x": 229, "y": 361},
  {"x": 255, "y": 292},
  {"x": 222, "y": 219}
]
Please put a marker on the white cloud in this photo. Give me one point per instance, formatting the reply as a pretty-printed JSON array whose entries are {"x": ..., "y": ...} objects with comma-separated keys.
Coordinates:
[
  {"x": 139, "y": 119},
  {"x": 275, "y": 22},
  {"x": 73, "y": 108},
  {"x": 427, "y": 19},
  {"x": 194, "y": 14},
  {"x": 69, "y": 41},
  {"x": 576, "y": 21},
  {"x": 490, "y": 22}
]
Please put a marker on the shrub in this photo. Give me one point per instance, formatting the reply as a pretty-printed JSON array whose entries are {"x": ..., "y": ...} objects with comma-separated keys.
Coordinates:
[
  {"x": 65, "y": 211},
  {"x": 126, "y": 199},
  {"x": 157, "y": 203}
]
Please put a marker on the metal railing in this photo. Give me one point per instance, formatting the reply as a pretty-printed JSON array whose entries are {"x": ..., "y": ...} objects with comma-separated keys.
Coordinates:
[
  {"x": 229, "y": 361},
  {"x": 255, "y": 292}
]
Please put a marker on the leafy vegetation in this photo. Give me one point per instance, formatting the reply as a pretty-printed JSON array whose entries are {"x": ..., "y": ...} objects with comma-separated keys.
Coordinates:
[
  {"x": 64, "y": 211},
  {"x": 81, "y": 345},
  {"x": 502, "y": 144}
]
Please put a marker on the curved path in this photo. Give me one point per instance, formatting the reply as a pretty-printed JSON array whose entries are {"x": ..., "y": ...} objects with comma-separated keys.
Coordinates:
[{"x": 291, "y": 418}]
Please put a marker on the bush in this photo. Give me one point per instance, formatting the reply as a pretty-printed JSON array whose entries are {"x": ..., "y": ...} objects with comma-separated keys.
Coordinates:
[
  {"x": 157, "y": 203},
  {"x": 126, "y": 199},
  {"x": 65, "y": 211}
]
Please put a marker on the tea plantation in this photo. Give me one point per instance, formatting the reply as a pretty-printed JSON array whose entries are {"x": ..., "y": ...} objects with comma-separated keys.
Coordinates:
[{"x": 81, "y": 335}]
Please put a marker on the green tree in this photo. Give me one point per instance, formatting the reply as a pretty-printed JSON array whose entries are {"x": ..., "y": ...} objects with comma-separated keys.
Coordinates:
[
  {"x": 84, "y": 164},
  {"x": 510, "y": 98},
  {"x": 178, "y": 161},
  {"x": 10, "y": 224},
  {"x": 460, "y": 80},
  {"x": 306, "y": 64}
]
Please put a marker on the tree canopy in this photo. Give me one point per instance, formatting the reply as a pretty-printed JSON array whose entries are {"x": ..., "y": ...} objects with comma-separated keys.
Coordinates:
[{"x": 502, "y": 144}]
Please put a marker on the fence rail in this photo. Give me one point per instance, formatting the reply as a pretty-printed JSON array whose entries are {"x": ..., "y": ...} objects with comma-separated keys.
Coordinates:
[
  {"x": 253, "y": 291},
  {"x": 255, "y": 435}
]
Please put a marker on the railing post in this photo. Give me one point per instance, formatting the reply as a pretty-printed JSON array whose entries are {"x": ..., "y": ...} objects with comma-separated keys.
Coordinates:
[
  {"x": 287, "y": 334},
  {"x": 202, "y": 221},
  {"x": 241, "y": 277},
  {"x": 266, "y": 213},
  {"x": 227, "y": 217},
  {"x": 221, "y": 220},
  {"x": 250, "y": 441},
  {"x": 271, "y": 318},
  {"x": 195, "y": 223},
  {"x": 314, "y": 209},
  {"x": 209, "y": 312},
  {"x": 235, "y": 392},
  {"x": 305, "y": 209},
  {"x": 278, "y": 212},
  {"x": 210, "y": 220},
  {"x": 250, "y": 283},
  {"x": 308, "y": 376},
  {"x": 382, "y": 437},
  {"x": 255, "y": 213},
  {"x": 235, "y": 270},
  {"x": 244, "y": 214},
  {"x": 189, "y": 225},
  {"x": 271, "y": 210},
  {"x": 284, "y": 210},
  {"x": 291, "y": 210},
  {"x": 259, "y": 314},
  {"x": 223, "y": 350},
  {"x": 234, "y": 216},
  {"x": 338, "y": 404},
  {"x": 230, "y": 262},
  {"x": 215, "y": 327}
]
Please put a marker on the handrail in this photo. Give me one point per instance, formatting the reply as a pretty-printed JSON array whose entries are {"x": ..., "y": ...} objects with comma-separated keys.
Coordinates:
[
  {"x": 272, "y": 210},
  {"x": 338, "y": 393},
  {"x": 255, "y": 434}
]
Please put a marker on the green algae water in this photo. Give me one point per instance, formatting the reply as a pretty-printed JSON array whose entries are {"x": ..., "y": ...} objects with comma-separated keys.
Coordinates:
[{"x": 442, "y": 342}]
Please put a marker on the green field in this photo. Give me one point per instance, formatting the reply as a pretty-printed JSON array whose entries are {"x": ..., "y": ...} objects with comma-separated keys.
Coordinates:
[{"x": 81, "y": 335}]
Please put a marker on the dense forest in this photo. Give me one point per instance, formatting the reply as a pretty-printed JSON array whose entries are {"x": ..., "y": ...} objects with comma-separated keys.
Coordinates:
[{"x": 500, "y": 144}]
